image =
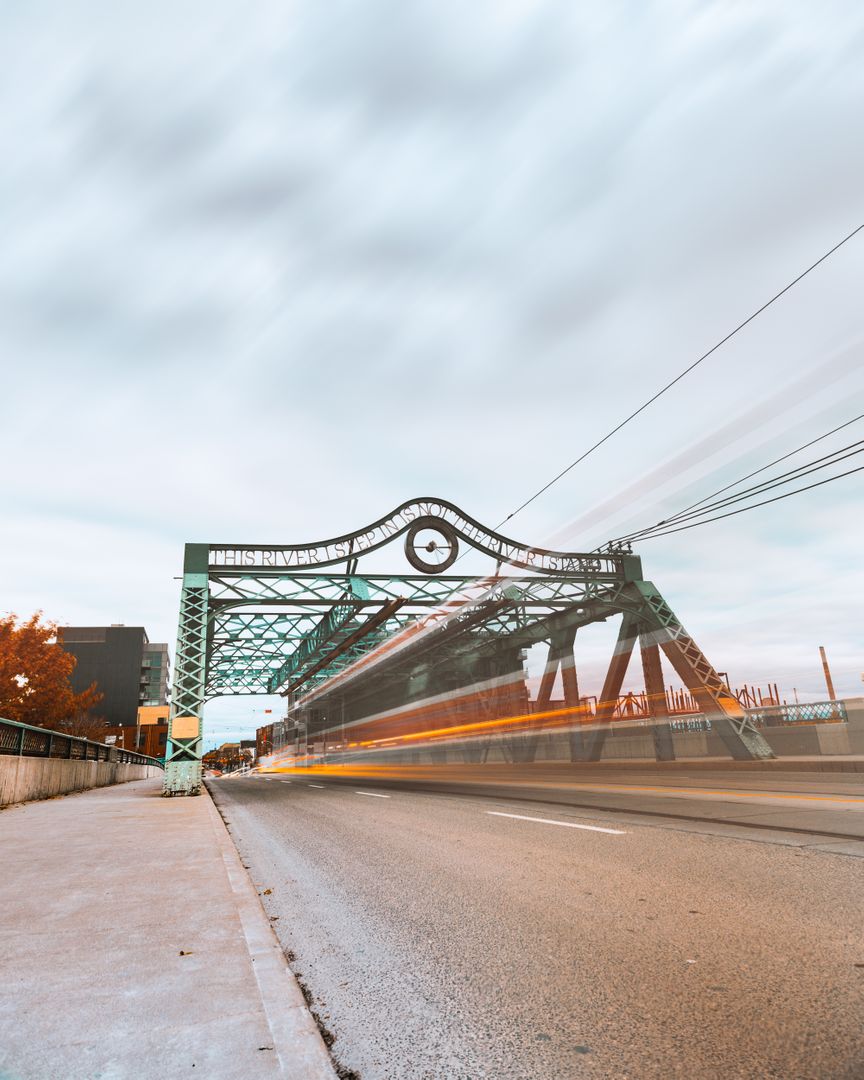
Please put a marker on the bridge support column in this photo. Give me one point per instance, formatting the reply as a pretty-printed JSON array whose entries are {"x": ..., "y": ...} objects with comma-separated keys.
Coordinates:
[
  {"x": 554, "y": 659},
  {"x": 570, "y": 683},
  {"x": 561, "y": 656},
  {"x": 628, "y": 634},
  {"x": 655, "y": 692},
  {"x": 740, "y": 737},
  {"x": 183, "y": 750},
  {"x": 513, "y": 700}
]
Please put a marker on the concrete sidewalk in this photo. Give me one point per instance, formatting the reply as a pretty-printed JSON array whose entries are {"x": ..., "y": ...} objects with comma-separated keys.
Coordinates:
[{"x": 133, "y": 945}]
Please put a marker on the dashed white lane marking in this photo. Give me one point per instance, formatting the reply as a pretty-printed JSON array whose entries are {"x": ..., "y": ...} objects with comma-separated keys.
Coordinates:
[
  {"x": 372, "y": 794},
  {"x": 566, "y": 824},
  {"x": 284, "y": 781},
  {"x": 316, "y": 785}
]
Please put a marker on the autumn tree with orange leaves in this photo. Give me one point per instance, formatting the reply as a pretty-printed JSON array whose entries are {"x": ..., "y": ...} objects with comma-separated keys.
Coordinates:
[{"x": 34, "y": 678}]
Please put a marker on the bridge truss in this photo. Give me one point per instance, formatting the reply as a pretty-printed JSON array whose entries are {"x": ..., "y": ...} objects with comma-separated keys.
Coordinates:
[{"x": 307, "y": 622}]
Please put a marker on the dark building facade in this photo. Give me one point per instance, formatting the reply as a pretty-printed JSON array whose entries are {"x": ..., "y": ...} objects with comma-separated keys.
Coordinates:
[{"x": 128, "y": 670}]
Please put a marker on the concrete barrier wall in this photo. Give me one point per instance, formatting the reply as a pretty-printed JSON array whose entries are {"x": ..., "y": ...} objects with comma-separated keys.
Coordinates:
[
  {"x": 834, "y": 739},
  {"x": 26, "y": 778},
  {"x": 855, "y": 713},
  {"x": 631, "y": 741}
]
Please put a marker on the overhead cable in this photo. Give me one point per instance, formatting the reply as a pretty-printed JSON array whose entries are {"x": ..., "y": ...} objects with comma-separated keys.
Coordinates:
[
  {"x": 753, "y": 506},
  {"x": 681, "y": 375},
  {"x": 770, "y": 465},
  {"x": 698, "y": 510}
]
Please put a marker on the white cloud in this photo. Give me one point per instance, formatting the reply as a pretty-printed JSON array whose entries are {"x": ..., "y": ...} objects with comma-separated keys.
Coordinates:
[{"x": 269, "y": 273}]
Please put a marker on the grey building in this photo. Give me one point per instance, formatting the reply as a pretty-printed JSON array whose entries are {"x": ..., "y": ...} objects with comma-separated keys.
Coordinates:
[
  {"x": 129, "y": 670},
  {"x": 154, "y": 674}
]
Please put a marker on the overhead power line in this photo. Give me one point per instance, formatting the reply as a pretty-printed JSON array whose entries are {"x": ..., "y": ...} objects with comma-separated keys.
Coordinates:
[
  {"x": 681, "y": 375},
  {"x": 753, "y": 506},
  {"x": 704, "y": 506},
  {"x": 770, "y": 465}
]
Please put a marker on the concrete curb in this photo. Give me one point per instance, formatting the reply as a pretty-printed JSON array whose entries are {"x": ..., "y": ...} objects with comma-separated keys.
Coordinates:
[{"x": 296, "y": 1040}]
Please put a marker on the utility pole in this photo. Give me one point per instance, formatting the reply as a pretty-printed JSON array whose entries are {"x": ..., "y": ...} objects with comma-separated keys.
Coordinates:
[{"x": 827, "y": 670}]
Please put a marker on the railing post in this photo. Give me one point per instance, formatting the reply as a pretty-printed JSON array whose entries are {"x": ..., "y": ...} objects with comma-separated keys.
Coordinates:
[{"x": 44, "y": 742}]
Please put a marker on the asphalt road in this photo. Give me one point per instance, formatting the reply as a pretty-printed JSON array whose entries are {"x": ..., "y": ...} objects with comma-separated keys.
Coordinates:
[{"x": 449, "y": 936}]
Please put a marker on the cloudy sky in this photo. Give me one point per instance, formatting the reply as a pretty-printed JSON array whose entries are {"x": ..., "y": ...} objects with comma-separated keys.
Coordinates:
[{"x": 269, "y": 271}]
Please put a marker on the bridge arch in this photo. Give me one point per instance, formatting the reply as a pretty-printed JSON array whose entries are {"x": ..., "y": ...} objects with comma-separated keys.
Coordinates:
[{"x": 310, "y": 622}]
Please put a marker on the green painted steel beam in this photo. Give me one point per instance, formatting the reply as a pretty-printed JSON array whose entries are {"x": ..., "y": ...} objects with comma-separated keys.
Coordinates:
[
  {"x": 252, "y": 622},
  {"x": 183, "y": 749},
  {"x": 314, "y": 590}
]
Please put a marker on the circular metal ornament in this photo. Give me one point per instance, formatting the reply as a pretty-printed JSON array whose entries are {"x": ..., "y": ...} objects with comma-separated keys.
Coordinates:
[{"x": 431, "y": 545}]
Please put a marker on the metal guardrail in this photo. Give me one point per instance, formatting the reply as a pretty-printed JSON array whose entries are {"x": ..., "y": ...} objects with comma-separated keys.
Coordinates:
[
  {"x": 686, "y": 724},
  {"x": 814, "y": 712},
  {"x": 24, "y": 740}
]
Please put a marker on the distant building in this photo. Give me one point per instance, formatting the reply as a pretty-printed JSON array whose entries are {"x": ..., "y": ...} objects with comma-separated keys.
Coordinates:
[
  {"x": 229, "y": 757},
  {"x": 154, "y": 675},
  {"x": 274, "y": 737},
  {"x": 129, "y": 670},
  {"x": 148, "y": 736},
  {"x": 153, "y": 714}
]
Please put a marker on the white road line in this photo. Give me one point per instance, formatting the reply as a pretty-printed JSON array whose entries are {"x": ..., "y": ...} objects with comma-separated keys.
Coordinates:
[
  {"x": 315, "y": 785},
  {"x": 372, "y": 794},
  {"x": 284, "y": 781},
  {"x": 566, "y": 824}
]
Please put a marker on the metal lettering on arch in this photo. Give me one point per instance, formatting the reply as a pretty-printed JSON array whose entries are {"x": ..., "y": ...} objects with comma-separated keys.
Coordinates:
[
  {"x": 309, "y": 621},
  {"x": 434, "y": 513}
]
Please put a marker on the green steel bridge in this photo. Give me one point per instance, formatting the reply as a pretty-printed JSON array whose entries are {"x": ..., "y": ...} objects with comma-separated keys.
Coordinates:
[{"x": 310, "y": 622}]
